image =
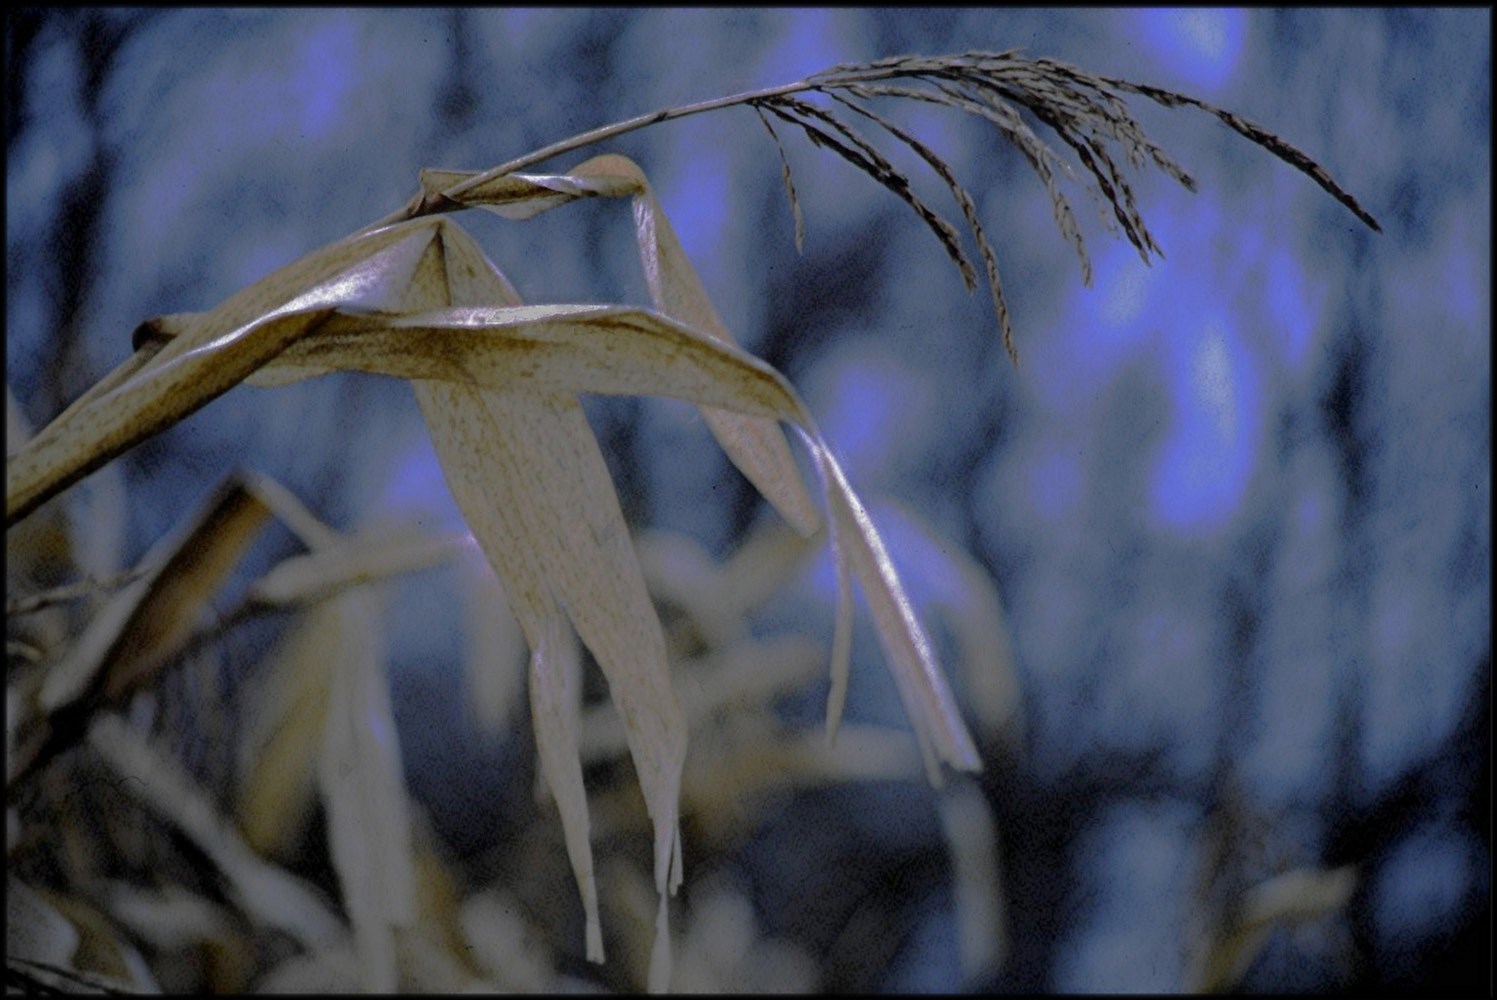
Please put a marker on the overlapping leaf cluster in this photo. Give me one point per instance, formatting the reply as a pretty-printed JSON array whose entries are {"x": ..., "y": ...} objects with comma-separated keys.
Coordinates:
[{"x": 497, "y": 381}]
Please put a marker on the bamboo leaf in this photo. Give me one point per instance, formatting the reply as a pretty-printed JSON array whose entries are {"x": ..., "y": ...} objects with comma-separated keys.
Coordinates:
[
  {"x": 489, "y": 488},
  {"x": 212, "y": 352},
  {"x": 359, "y": 772},
  {"x": 325, "y": 572},
  {"x": 143, "y": 627},
  {"x": 927, "y": 699},
  {"x": 756, "y": 446}
]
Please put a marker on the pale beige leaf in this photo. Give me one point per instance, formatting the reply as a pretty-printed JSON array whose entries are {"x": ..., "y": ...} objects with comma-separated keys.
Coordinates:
[
  {"x": 551, "y": 348},
  {"x": 926, "y": 696},
  {"x": 284, "y": 731},
  {"x": 363, "y": 789},
  {"x": 353, "y": 562},
  {"x": 210, "y": 353},
  {"x": 534, "y": 457},
  {"x": 555, "y": 692},
  {"x": 137, "y": 632},
  {"x": 169, "y": 917},
  {"x": 755, "y": 445},
  {"x": 490, "y": 486},
  {"x": 34, "y": 929}
]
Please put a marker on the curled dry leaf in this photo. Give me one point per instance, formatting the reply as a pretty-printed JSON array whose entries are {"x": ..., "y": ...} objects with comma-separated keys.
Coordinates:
[
  {"x": 139, "y": 630},
  {"x": 497, "y": 383},
  {"x": 754, "y": 444}
]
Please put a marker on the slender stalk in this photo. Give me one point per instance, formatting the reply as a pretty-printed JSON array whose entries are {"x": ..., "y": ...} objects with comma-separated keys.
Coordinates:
[{"x": 422, "y": 204}]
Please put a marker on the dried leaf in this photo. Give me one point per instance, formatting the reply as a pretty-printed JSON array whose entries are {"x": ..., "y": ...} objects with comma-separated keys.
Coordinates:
[
  {"x": 363, "y": 788},
  {"x": 209, "y": 354},
  {"x": 269, "y": 894},
  {"x": 756, "y": 446},
  {"x": 284, "y": 730},
  {"x": 34, "y": 929},
  {"x": 353, "y": 562},
  {"x": 143, "y": 627},
  {"x": 927, "y": 699},
  {"x": 1295, "y": 895}
]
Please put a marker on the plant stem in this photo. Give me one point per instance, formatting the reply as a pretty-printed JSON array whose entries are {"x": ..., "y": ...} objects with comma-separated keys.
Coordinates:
[{"x": 423, "y": 204}]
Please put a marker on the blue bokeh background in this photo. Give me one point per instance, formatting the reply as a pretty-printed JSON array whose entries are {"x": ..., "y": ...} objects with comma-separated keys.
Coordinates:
[{"x": 1237, "y": 503}]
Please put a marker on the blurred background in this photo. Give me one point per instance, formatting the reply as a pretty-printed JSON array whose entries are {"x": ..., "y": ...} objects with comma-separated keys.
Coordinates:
[{"x": 1236, "y": 504}]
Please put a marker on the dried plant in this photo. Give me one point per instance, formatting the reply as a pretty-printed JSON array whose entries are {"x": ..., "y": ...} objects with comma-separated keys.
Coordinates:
[{"x": 414, "y": 297}]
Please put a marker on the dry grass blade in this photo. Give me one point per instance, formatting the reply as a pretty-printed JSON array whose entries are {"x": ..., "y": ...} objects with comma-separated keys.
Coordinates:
[
  {"x": 923, "y": 690},
  {"x": 785, "y": 178},
  {"x": 353, "y": 562},
  {"x": 210, "y": 353},
  {"x": 142, "y": 628},
  {"x": 267, "y": 893},
  {"x": 278, "y": 751},
  {"x": 756, "y": 446},
  {"x": 525, "y": 469}
]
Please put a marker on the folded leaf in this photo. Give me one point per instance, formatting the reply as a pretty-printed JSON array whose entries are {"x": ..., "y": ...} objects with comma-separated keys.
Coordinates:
[
  {"x": 140, "y": 629},
  {"x": 755, "y": 445},
  {"x": 211, "y": 353},
  {"x": 525, "y": 470}
]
